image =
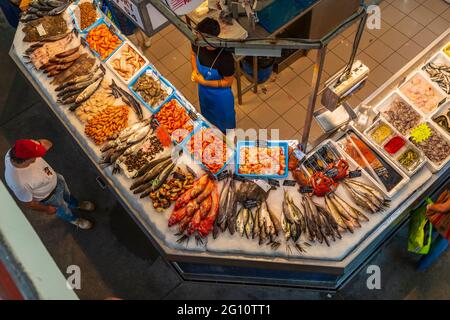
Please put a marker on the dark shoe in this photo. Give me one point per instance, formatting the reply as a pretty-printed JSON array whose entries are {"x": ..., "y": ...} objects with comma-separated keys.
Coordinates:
[{"x": 82, "y": 224}]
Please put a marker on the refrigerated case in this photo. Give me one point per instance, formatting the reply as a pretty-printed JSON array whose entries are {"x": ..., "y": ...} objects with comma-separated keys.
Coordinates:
[{"x": 228, "y": 259}]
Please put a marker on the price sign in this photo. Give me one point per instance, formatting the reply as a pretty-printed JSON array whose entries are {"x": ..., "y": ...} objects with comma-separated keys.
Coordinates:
[
  {"x": 192, "y": 115},
  {"x": 274, "y": 183},
  {"x": 223, "y": 175},
  {"x": 306, "y": 189},
  {"x": 355, "y": 174},
  {"x": 263, "y": 185},
  {"x": 249, "y": 204},
  {"x": 331, "y": 173},
  {"x": 289, "y": 183}
]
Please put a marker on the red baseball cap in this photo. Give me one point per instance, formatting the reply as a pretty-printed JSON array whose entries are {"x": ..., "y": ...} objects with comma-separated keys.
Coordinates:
[{"x": 27, "y": 149}]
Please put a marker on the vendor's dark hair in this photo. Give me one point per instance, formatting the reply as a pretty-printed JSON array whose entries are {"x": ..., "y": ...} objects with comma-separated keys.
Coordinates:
[
  {"x": 13, "y": 157},
  {"x": 209, "y": 26}
]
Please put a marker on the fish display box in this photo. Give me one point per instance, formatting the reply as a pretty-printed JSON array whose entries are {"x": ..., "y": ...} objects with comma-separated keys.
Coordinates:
[
  {"x": 193, "y": 122},
  {"x": 112, "y": 29},
  {"x": 215, "y": 170},
  {"x": 385, "y": 172},
  {"x": 440, "y": 60},
  {"x": 401, "y": 157},
  {"x": 118, "y": 56},
  {"x": 74, "y": 11},
  {"x": 165, "y": 85},
  {"x": 250, "y": 155}
]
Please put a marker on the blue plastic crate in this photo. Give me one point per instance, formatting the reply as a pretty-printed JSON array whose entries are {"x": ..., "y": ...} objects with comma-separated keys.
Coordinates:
[
  {"x": 72, "y": 16},
  {"x": 197, "y": 123},
  {"x": 196, "y": 129},
  {"x": 96, "y": 24},
  {"x": 270, "y": 143},
  {"x": 164, "y": 84}
]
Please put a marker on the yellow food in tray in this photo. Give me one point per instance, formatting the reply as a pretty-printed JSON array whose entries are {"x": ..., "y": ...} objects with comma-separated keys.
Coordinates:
[{"x": 381, "y": 133}]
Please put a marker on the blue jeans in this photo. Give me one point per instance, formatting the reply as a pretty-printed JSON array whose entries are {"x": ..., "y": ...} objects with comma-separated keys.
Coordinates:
[{"x": 63, "y": 201}]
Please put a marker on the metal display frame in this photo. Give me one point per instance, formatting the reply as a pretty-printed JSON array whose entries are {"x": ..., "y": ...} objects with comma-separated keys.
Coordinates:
[
  {"x": 308, "y": 273},
  {"x": 272, "y": 42}
]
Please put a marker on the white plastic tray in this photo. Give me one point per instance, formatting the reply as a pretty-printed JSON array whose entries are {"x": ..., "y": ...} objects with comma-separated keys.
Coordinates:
[
  {"x": 438, "y": 58},
  {"x": 118, "y": 53},
  {"x": 423, "y": 76},
  {"x": 405, "y": 178},
  {"x": 408, "y": 145}
]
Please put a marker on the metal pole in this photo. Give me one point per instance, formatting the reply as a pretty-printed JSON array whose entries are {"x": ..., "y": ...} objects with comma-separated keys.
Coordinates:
[
  {"x": 238, "y": 80},
  {"x": 362, "y": 25},
  {"x": 317, "y": 75},
  {"x": 255, "y": 74}
]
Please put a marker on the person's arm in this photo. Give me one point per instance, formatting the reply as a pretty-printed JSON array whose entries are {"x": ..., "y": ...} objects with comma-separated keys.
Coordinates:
[
  {"x": 25, "y": 196},
  {"x": 194, "y": 62},
  {"x": 226, "y": 82},
  {"x": 36, "y": 205}
]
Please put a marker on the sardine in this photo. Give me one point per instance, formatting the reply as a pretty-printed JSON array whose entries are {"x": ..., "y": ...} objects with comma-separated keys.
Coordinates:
[
  {"x": 287, "y": 211},
  {"x": 275, "y": 221},
  {"x": 80, "y": 85},
  {"x": 75, "y": 81},
  {"x": 150, "y": 175},
  {"x": 58, "y": 10},
  {"x": 249, "y": 224},
  {"x": 67, "y": 95},
  {"x": 162, "y": 177},
  {"x": 333, "y": 211},
  {"x": 256, "y": 227},
  {"x": 232, "y": 208},
  {"x": 359, "y": 200},
  {"x": 88, "y": 92},
  {"x": 295, "y": 232},
  {"x": 349, "y": 222},
  {"x": 354, "y": 213},
  {"x": 241, "y": 220},
  {"x": 149, "y": 166},
  {"x": 223, "y": 202},
  {"x": 286, "y": 227}
]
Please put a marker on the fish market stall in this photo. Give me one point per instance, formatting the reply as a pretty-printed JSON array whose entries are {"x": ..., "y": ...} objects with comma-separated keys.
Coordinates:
[{"x": 251, "y": 211}]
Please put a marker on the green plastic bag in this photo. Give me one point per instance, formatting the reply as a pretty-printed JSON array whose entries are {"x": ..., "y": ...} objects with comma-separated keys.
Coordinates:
[{"x": 420, "y": 230}]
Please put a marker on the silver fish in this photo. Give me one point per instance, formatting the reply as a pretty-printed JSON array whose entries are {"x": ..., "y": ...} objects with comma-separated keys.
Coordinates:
[
  {"x": 354, "y": 213},
  {"x": 221, "y": 220},
  {"x": 335, "y": 213},
  {"x": 89, "y": 91},
  {"x": 241, "y": 221},
  {"x": 249, "y": 224}
]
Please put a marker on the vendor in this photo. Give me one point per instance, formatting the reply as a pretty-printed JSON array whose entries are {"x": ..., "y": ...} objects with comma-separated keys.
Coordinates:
[
  {"x": 37, "y": 185},
  {"x": 213, "y": 70}
]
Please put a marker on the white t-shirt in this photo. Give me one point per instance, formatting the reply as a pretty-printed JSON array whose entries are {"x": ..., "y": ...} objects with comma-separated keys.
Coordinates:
[{"x": 34, "y": 182}]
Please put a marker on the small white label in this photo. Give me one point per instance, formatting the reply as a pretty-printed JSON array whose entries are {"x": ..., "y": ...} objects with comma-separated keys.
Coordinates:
[
  {"x": 40, "y": 29},
  {"x": 262, "y": 184}
]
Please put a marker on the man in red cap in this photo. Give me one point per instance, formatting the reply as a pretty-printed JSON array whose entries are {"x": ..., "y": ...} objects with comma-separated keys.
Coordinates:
[{"x": 37, "y": 185}]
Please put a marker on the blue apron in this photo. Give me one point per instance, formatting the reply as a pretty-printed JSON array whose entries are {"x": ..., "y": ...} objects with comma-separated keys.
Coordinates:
[{"x": 216, "y": 104}]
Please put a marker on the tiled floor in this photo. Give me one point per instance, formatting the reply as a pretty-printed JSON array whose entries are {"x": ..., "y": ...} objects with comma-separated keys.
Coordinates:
[{"x": 407, "y": 27}]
